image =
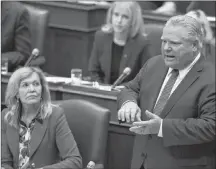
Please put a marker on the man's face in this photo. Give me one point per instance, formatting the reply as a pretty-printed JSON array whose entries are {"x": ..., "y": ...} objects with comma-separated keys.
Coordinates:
[{"x": 177, "y": 51}]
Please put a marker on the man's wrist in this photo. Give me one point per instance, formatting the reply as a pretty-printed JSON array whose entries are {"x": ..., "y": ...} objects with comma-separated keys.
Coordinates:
[{"x": 127, "y": 102}]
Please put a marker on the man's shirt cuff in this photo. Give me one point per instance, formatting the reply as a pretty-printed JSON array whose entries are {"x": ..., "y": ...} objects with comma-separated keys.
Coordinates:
[{"x": 160, "y": 133}]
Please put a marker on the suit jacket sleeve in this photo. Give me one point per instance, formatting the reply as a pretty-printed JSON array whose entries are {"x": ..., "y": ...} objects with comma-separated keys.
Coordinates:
[
  {"x": 192, "y": 131},
  {"x": 67, "y": 147},
  {"x": 94, "y": 64},
  {"x": 22, "y": 42},
  {"x": 132, "y": 88},
  {"x": 6, "y": 155}
]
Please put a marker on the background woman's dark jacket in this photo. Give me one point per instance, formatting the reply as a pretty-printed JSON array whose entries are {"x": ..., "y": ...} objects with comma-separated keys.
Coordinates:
[{"x": 136, "y": 52}]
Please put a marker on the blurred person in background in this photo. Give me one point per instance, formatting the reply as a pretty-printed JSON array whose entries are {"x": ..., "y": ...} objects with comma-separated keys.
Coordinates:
[
  {"x": 15, "y": 34},
  {"x": 35, "y": 133},
  {"x": 206, "y": 6},
  {"x": 167, "y": 8},
  {"x": 120, "y": 43},
  {"x": 178, "y": 7},
  {"x": 209, "y": 39}
]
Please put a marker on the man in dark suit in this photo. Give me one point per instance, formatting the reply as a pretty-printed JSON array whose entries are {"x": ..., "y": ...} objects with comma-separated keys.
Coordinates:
[
  {"x": 175, "y": 124},
  {"x": 15, "y": 34}
]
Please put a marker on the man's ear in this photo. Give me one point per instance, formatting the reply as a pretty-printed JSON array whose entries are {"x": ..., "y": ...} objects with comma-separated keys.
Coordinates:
[{"x": 196, "y": 46}]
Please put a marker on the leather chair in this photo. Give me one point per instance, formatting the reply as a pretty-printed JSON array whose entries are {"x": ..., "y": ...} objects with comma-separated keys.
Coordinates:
[
  {"x": 89, "y": 124},
  {"x": 38, "y": 26},
  {"x": 154, "y": 32}
]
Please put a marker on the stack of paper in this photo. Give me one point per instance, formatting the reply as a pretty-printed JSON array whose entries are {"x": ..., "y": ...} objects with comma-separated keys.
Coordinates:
[{"x": 56, "y": 79}]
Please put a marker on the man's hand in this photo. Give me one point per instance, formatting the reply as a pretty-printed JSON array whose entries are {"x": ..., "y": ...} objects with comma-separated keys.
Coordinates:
[
  {"x": 151, "y": 126},
  {"x": 129, "y": 111}
]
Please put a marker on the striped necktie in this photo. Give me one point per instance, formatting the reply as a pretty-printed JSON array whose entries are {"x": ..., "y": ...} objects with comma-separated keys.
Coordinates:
[{"x": 166, "y": 92}]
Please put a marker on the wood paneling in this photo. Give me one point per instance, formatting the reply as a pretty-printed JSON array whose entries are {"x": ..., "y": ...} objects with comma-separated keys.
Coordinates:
[
  {"x": 120, "y": 146},
  {"x": 67, "y": 50}
]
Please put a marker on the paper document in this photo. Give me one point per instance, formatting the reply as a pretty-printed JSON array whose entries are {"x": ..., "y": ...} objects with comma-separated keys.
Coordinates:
[{"x": 56, "y": 79}]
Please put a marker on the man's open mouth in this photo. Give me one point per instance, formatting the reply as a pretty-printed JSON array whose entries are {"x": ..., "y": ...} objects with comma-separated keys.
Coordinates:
[{"x": 170, "y": 56}]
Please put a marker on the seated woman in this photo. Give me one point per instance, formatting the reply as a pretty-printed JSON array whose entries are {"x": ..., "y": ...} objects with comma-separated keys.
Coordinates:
[
  {"x": 209, "y": 39},
  {"x": 35, "y": 133},
  {"x": 119, "y": 44}
]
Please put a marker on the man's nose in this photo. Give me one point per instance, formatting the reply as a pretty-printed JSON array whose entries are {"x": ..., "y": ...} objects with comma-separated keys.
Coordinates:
[{"x": 167, "y": 47}]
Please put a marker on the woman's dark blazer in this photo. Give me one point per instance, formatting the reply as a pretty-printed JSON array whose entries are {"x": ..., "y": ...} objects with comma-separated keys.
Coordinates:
[
  {"x": 136, "y": 52},
  {"x": 51, "y": 140}
]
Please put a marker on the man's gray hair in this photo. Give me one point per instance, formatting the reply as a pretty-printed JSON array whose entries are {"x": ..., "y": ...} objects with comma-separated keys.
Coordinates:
[{"x": 195, "y": 32}]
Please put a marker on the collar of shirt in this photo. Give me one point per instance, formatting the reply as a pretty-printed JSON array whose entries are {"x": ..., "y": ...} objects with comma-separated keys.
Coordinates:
[
  {"x": 184, "y": 71},
  {"x": 37, "y": 117}
]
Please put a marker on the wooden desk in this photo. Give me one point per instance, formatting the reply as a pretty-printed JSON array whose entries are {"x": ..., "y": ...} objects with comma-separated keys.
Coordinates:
[{"x": 120, "y": 140}]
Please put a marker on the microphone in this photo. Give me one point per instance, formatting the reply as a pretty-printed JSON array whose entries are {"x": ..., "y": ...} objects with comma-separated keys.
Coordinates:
[
  {"x": 34, "y": 55},
  {"x": 125, "y": 73}
]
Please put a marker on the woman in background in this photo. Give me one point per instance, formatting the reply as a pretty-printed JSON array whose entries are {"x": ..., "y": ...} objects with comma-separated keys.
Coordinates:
[
  {"x": 120, "y": 43},
  {"x": 35, "y": 133},
  {"x": 209, "y": 39}
]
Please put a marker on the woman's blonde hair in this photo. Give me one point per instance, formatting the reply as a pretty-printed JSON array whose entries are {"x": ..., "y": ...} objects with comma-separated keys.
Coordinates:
[
  {"x": 137, "y": 23},
  {"x": 14, "y": 104},
  {"x": 202, "y": 18}
]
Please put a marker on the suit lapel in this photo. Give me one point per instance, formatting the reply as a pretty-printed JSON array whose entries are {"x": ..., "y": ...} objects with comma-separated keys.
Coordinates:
[
  {"x": 189, "y": 79},
  {"x": 37, "y": 135},
  {"x": 13, "y": 142}
]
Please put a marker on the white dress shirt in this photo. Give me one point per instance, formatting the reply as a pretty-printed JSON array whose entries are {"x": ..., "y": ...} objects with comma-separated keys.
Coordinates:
[{"x": 182, "y": 74}]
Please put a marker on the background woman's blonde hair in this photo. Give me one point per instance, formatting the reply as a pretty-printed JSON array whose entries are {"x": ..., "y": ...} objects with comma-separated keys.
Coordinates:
[
  {"x": 14, "y": 104},
  {"x": 202, "y": 18},
  {"x": 137, "y": 23}
]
